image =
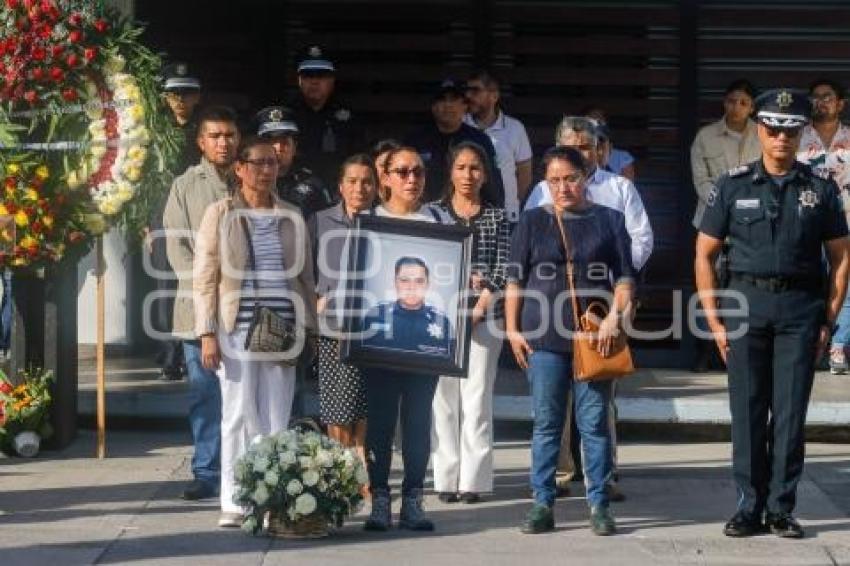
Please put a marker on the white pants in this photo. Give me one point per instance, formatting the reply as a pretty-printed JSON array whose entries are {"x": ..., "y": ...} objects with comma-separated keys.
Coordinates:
[
  {"x": 256, "y": 399},
  {"x": 462, "y": 442}
]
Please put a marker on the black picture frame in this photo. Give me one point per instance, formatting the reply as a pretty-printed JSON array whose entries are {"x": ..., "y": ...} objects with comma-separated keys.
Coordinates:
[{"x": 424, "y": 236}]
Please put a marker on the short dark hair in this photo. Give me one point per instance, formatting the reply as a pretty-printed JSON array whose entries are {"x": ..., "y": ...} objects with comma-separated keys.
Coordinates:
[
  {"x": 569, "y": 154},
  {"x": 487, "y": 78},
  {"x": 358, "y": 159},
  {"x": 248, "y": 143},
  {"x": 216, "y": 114},
  {"x": 740, "y": 84},
  {"x": 385, "y": 145},
  {"x": 451, "y": 157},
  {"x": 411, "y": 260},
  {"x": 840, "y": 91}
]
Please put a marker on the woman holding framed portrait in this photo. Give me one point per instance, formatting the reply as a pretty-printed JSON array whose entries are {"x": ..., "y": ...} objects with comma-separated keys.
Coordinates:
[
  {"x": 342, "y": 392},
  {"x": 463, "y": 407},
  {"x": 387, "y": 389},
  {"x": 540, "y": 326}
]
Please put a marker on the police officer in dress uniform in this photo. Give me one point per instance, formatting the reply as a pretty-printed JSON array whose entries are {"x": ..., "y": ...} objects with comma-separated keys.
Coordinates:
[
  {"x": 778, "y": 216},
  {"x": 408, "y": 323},
  {"x": 295, "y": 184},
  {"x": 328, "y": 132},
  {"x": 181, "y": 92}
]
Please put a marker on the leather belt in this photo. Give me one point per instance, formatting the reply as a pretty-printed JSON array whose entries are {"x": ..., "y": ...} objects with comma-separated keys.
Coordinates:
[{"x": 776, "y": 284}]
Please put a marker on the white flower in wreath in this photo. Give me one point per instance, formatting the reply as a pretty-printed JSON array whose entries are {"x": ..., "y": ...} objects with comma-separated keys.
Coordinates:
[
  {"x": 310, "y": 478},
  {"x": 305, "y": 504},
  {"x": 362, "y": 475},
  {"x": 287, "y": 458},
  {"x": 261, "y": 494},
  {"x": 343, "y": 115},
  {"x": 261, "y": 464},
  {"x": 435, "y": 330},
  {"x": 324, "y": 459},
  {"x": 294, "y": 487},
  {"x": 272, "y": 478}
]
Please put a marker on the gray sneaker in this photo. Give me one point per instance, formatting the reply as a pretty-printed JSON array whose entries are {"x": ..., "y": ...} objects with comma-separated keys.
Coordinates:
[
  {"x": 380, "y": 519},
  {"x": 412, "y": 515},
  {"x": 602, "y": 522}
]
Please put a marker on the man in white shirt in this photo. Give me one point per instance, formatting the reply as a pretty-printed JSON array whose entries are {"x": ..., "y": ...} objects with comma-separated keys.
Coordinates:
[
  {"x": 825, "y": 147},
  {"x": 603, "y": 187},
  {"x": 513, "y": 150}
]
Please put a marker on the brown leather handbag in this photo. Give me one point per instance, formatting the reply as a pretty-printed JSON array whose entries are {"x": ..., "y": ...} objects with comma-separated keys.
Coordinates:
[{"x": 588, "y": 363}]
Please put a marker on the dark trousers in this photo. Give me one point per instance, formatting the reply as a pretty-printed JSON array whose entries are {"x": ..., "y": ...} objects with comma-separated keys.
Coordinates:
[
  {"x": 771, "y": 370},
  {"x": 387, "y": 391}
]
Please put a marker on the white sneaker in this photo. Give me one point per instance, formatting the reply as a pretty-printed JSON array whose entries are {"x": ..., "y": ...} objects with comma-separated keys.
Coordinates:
[{"x": 230, "y": 520}]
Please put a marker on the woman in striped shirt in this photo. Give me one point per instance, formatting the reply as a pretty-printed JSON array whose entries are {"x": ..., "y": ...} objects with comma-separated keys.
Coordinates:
[
  {"x": 463, "y": 408},
  {"x": 252, "y": 250}
]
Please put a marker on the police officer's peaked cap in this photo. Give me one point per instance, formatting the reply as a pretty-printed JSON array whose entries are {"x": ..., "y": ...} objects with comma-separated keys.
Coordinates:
[
  {"x": 176, "y": 76},
  {"x": 315, "y": 60},
  {"x": 783, "y": 108},
  {"x": 450, "y": 86},
  {"x": 275, "y": 120}
]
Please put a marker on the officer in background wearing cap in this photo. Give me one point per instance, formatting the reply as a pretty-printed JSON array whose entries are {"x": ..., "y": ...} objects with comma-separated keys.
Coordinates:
[
  {"x": 777, "y": 216},
  {"x": 328, "y": 132},
  {"x": 448, "y": 108},
  {"x": 295, "y": 184},
  {"x": 181, "y": 93}
]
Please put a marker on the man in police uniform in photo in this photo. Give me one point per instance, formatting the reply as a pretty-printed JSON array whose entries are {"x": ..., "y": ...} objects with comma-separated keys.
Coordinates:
[
  {"x": 778, "y": 216},
  {"x": 408, "y": 323},
  {"x": 328, "y": 132},
  {"x": 295, "y": 184}
]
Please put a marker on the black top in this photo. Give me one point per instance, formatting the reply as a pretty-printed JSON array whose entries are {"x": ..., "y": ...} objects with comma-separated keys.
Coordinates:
[
  {"x": 775, "y": 227},
  {"x": 425, "y": 330},
  {"x": 602, "y": 257},
  {"x": 433, "y": 146},
  {"x": 326, "y": 137},
  {"x": 305, "y": 190}
]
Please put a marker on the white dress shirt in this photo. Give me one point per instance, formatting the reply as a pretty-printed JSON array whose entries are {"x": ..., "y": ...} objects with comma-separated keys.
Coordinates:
[
  {"x": 512, "y": 146},
  {"x": 617, "y": 192}
]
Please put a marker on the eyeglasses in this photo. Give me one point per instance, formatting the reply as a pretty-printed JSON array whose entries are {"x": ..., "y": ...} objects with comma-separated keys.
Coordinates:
[
  {"x": 773, "y": 131},
  {"x": 260, "y": 163},
  {"x": 827, "y": 98},
  {"x": 404, "y": 172}
]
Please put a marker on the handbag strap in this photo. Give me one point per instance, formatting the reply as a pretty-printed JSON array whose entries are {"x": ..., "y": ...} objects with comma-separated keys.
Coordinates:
[
  {"x": 253, "y": 261},
  {"x": 568, "y": 251}
]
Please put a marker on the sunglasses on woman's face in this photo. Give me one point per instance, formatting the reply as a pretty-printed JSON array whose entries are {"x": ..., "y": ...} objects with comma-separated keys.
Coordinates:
[{"x": 404, "y": 172}]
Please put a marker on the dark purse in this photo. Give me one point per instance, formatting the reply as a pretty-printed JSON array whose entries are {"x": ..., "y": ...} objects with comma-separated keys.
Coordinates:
[
  {"x": 588, "y": 363},
  {"x": 268, "y": 332}
]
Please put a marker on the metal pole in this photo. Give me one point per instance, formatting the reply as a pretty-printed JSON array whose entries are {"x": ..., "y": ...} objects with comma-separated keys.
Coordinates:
[{"x": 101, "y": 361}]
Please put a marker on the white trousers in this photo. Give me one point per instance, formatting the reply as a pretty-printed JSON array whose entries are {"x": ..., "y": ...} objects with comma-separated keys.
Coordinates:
[
  {"x": 256, "y": 399},
  {"x": 462, "y": 441}
]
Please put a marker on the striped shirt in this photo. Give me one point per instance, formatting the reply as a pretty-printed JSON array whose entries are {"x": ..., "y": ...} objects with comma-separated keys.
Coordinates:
[{"x": 265, "y": 284}]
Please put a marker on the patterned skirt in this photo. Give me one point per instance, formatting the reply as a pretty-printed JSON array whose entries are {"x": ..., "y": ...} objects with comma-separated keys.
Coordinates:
[{"x": 342, "y": 391}]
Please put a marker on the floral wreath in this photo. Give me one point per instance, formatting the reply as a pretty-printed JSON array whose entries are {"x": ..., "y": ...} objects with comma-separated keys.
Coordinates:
[{"x": 84, "y": 140}]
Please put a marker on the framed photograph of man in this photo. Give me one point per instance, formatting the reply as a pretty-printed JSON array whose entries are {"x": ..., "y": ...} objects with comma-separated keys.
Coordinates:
[{"x": 406, "y": 294}]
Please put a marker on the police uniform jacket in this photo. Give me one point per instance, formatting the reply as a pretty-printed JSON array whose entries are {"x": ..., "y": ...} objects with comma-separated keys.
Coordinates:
[
  {"x": 305, "y": 190},
  {"x": 773, "y": 231},
  {"x": 424, "y": 330}
]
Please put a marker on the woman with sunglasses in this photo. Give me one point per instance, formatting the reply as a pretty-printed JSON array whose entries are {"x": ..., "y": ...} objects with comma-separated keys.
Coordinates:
[
  {"x": 463, "y": 408},
  {"x": 247, "y": 253},
  {"x": 539, "y": 325},
  {"x": 387, "y": 391}
]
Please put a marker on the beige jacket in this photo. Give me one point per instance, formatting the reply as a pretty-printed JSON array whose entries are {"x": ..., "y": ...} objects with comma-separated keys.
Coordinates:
[
  {"x": 221, "y": 257},
  {"x": 191, "y": 194},
  {"x": 716, "y": 150}
]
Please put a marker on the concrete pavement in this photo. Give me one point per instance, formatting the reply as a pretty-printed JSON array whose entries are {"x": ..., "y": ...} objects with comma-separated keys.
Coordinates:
[{"x": 66, "y": 508}]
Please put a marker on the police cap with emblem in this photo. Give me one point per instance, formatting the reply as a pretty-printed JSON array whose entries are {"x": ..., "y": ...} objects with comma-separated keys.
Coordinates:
[
  {"x": 275, "y": 121},
  {"x": 783, "y": 108},
  {"x": 176, "y": 77},
  {"x": 449, "y": 86},
  {"x": 314, "y": 61}
]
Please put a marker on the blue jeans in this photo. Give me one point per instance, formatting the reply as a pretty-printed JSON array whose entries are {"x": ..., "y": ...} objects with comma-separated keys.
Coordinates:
[
  {"x": 550, "y": 376},
  {"x": 384, "y": 390},
  {"x": 204, "y": 416},
  {"x": 842, "y": 333}
]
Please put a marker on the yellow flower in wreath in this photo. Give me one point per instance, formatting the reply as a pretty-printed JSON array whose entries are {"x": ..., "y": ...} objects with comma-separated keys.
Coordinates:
[
  {"x": 21, "y": 218},
  {"x": 13, "y": 169},
  {"x": 3, "y": 210},
  {"x": 47, "y": 220},
  {"x": 30, "y": 194},
  {"x": 42, "y": 172},
  {"x": 28, "y": 242}
]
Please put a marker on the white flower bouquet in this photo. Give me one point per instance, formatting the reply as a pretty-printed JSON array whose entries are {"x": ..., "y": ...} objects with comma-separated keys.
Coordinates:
[{"x": 297, "y": 475}]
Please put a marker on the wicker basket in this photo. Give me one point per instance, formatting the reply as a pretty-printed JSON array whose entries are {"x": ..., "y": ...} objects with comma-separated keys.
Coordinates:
[{"x": 312, "y": 526}]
